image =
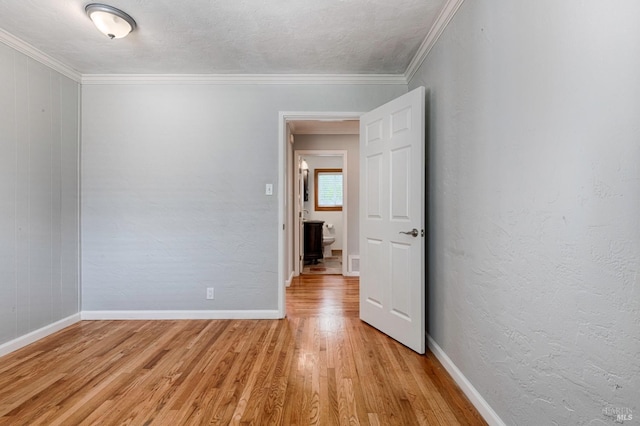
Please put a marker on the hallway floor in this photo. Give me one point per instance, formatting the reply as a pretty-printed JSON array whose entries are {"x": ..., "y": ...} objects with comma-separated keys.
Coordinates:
[{"x": 330, "y": 265}]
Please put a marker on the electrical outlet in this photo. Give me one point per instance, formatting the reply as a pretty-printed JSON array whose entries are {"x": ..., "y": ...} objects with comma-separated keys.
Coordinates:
[{"x": 210, "y": 293}]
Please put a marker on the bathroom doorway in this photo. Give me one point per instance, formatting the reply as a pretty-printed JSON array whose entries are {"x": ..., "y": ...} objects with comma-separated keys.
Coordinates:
[{"x": 321, "y": 200}]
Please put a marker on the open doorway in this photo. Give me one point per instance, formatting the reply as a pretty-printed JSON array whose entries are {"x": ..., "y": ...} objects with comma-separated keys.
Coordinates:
[
  {"x": 321, "y": 203},
  {"x": 391, "y": 215},
  {"x": 308, "y": 128}
]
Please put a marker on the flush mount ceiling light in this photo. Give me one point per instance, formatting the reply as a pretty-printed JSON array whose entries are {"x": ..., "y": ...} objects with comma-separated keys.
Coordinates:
[{"x": 112, "y": 22}]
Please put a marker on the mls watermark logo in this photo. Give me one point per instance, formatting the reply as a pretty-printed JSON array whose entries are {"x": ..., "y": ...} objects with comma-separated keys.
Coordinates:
[{"x": 619, "y": 414}]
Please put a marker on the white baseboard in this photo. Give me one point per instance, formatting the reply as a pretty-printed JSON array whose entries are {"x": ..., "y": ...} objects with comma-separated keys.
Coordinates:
[
  {"x": 351, "y": 274},
  {"x": 474, "y": 396},
  {"x": 177, "y": 315},
  {"x": 38, "y": 334},
  {"x": 288, "y": 282}
]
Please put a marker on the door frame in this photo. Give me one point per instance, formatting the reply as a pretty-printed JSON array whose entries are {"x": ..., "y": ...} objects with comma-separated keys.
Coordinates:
[
  {"x": 345, "y": 199},
  {"x": 285, "y": 190}
]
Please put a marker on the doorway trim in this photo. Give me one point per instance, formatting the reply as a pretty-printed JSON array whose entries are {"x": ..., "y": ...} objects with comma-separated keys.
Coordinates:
[{"x": 285, "y": 190}]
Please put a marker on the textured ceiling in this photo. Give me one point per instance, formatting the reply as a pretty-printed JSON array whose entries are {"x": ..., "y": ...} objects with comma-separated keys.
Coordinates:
[{"x": 230, "y": 36}]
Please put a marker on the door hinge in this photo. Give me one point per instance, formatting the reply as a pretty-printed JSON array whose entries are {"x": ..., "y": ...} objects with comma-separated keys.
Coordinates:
[{"x": 283, "y": 226}]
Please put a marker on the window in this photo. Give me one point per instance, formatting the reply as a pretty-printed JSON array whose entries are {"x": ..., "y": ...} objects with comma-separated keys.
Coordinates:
[{"x": 328, "y": 189}]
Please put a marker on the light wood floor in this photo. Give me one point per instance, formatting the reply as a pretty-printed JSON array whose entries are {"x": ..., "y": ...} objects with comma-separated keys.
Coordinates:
[{"x": 321, "y": 365}]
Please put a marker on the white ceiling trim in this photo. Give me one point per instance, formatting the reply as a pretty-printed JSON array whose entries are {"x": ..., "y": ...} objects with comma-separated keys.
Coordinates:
[
  {"x": 25, "y": 48},
  {"x": 447, "y": 13},
  {"x": 376, "y": 79}
]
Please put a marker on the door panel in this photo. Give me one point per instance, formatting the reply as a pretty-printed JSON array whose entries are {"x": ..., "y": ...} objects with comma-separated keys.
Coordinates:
[
  {"x": 400, "y": 184},
  {"x": 400, "y": 267},
  {"x": 373, "y": 182},
  {"x": 392, "y": 199},
  {"x": 375, "y": 288}
]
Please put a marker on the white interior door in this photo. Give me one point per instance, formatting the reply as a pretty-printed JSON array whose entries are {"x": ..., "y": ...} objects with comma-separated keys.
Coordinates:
[
  {"x": 392, "y": 203},
  {"x": 298, "y": 214},
  {"x": 301, "y": 215}
]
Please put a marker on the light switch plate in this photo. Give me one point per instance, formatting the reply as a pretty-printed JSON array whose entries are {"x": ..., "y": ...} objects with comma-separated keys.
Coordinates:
[{"x": 268, "y": 189}]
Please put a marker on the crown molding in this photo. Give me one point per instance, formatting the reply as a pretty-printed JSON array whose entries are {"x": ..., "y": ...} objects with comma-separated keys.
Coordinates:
[
  {"x": 97, "y": 79},
  {"x": 25, "y": 48},
  {"x": 443, "y": 19}
]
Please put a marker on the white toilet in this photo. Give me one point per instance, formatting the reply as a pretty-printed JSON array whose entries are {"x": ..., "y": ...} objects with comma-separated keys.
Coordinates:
[{"x": 327, "y": 240}]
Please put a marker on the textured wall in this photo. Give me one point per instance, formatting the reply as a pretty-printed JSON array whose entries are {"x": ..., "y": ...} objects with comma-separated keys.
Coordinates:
[
  {"x": 173, "y": 180},
  {"x": 534, "y": 145},
  {"x": 38, "y": 195}
]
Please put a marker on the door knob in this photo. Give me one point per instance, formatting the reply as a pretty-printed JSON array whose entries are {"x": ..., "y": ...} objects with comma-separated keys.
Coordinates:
[{"x": 414, "y": 232}]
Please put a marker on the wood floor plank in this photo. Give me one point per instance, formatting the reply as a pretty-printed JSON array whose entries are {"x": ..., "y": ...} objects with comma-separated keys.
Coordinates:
[{"x": 319, "y": 366}]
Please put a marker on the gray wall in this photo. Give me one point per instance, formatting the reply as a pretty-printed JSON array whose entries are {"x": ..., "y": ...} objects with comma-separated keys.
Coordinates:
[
  {"x": 38, "y": 195},
  {"x": 173, "y": 190},
  {"x": 534, "y": 145}
]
